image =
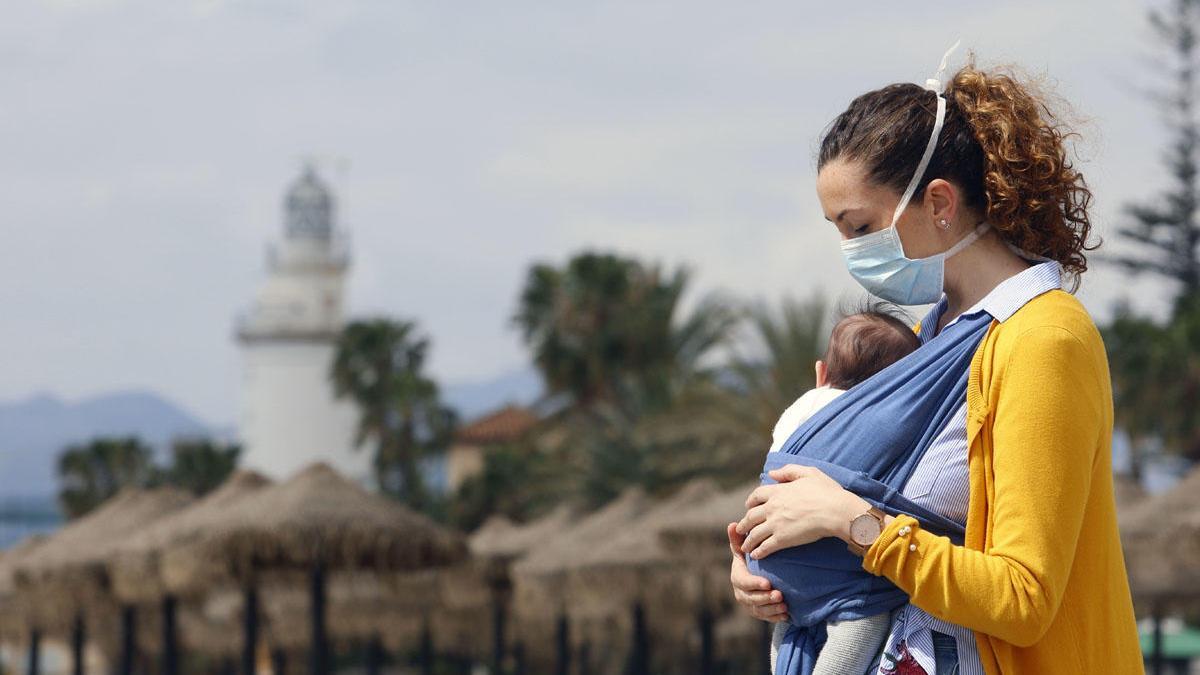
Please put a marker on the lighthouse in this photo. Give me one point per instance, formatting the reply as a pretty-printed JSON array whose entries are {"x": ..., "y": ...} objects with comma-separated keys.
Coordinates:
[{"x": 289, "y": 415}]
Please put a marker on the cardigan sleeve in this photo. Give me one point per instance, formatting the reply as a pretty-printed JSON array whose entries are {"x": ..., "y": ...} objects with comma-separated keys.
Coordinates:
[{"x": 1046, "y": 422}]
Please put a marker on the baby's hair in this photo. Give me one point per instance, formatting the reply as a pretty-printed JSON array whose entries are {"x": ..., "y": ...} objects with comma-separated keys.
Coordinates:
[{"x": 867, "y": 338}]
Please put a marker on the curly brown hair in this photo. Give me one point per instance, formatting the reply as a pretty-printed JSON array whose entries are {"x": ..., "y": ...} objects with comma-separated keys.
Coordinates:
[{"x": 1000, "y": 143}]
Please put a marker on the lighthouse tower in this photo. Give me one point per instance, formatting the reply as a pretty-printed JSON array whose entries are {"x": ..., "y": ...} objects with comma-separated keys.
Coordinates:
[{"x": 289, "y": 415}]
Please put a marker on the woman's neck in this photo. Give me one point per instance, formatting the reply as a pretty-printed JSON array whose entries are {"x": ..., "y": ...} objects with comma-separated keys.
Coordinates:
[{"x": 975, "y": 271}]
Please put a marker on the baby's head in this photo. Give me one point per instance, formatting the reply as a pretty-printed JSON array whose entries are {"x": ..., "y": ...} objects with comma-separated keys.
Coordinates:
[{"x": 862, "y": 344}]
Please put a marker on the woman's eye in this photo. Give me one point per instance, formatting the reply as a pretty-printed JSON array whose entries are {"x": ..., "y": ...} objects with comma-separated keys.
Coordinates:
[{"x": 861, "y": 229}]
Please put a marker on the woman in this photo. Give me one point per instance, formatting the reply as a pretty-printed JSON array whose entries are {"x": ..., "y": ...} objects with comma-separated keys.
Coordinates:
[{"x": 1039, "y": 584}]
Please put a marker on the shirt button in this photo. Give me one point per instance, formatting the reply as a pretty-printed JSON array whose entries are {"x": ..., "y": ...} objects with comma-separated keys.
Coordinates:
[{"x": 912, "y": 547}]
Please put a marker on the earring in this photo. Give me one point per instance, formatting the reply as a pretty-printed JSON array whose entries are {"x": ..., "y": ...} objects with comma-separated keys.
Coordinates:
[{"x": 945, "y": 225}]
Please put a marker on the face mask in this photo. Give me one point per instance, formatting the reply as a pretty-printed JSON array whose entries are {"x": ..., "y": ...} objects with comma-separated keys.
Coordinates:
[
  {"x": 877, "y": 260},
  {"x": 878, "y": 263}
]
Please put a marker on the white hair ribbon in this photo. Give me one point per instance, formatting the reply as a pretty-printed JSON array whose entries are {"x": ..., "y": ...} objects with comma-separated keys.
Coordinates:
[{"x": 934, "y": 84}]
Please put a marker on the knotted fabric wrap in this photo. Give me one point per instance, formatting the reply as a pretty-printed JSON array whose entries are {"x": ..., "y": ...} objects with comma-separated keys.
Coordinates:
[{"x": 869, "y": 440}]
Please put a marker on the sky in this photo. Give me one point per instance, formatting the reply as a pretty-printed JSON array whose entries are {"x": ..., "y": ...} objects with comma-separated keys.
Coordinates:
[{"x": 145, "y": 147}]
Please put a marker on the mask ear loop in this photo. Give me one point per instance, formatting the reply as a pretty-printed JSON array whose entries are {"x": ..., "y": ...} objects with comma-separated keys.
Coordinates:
[{"x": 933, "y": 84}]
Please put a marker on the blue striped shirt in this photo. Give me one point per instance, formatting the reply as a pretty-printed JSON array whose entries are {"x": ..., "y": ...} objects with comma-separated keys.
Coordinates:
[{"x": 939, "y": 481}]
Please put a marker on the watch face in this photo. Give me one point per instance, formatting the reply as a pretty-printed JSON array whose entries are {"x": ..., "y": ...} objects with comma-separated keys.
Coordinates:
[{"x": 865, "y": 529}]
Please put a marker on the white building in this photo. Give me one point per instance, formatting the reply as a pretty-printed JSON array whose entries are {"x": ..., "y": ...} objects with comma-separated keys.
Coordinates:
[{"x": 289, "y": 416}]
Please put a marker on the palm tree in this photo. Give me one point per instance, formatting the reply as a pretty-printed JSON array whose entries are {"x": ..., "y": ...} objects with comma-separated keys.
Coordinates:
[
  {"x": 92, "y": 472},
  {"x": 789, "y": 342},
  {"x": 201, "y": 464},
  {"x": 379, "y": 364},
  {"x": 731, "y": 419},
  {"x": 606, "y": 327},
  {"x": 609, "y": 335}
]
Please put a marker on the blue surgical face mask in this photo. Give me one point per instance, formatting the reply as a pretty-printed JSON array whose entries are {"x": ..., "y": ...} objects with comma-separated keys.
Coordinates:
[
  {"x": 877, "y": 260},
  {"x": 878, "y": 263}
]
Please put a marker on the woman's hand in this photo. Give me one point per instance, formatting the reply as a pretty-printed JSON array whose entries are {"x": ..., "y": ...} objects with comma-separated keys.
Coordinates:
[
  {"x": 804, "y": 506},
  {"x": 751, "y": 591}
]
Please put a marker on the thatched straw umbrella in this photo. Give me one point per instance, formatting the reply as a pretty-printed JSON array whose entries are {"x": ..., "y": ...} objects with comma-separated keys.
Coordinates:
[
  {"x": 501, "y": 539},
  {"x": 135, "y": 566},
  {"x": 496, "y": 545},
  {"x": 1127, "y": 492},
  {"x": 13, "y": 626},
  {"x": 629, "y": 573},
  {"x": 315, "y": 522},
  {"x": 1160, "y": 536},
  {"x": 65, "y": 578},
  {"x": 539, "y": 578}
]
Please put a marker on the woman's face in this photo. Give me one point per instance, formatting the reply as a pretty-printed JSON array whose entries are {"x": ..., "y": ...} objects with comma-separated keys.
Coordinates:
[{"x": 857, "y": 207}]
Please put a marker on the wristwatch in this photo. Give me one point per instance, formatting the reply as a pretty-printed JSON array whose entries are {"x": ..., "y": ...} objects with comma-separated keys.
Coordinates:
[{"x": 864, "y": 530}]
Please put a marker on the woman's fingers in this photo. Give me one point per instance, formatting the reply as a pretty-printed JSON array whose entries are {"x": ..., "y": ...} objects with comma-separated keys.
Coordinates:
[
  {"x": 742, "y": 580},
  {"x": 753, "y": 517},
  {"x": 759, "y": 495},
  {"x": 735, "y": 539},
  {"x": 758, "y": 598},
  {"x": 776, "y": 612},
  {"x": 766, "y": 548},
  {"x": 773, "y": 612},
  {"x": 756, "y": 536},
  {"x": 790, "y": 472}
]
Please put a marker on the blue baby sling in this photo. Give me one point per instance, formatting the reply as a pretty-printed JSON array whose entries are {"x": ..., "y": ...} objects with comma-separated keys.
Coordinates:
[{"x": 869, "y": 440}]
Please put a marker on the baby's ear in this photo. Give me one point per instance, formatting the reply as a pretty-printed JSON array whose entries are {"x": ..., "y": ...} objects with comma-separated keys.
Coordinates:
[{"x": 822, "y": 374}]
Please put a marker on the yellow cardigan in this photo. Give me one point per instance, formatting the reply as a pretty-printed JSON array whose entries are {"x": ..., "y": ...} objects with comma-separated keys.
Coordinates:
[{"x": 1040, "y": 577}]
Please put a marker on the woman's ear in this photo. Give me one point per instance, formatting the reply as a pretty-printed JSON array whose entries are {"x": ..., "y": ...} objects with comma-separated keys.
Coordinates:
[
  {"x": 822, "y": 374},
  {"x": 942, "y": 200}
]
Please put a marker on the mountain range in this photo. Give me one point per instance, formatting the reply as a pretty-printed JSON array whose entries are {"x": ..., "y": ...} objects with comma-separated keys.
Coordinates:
[{"x": 35, "y": 430}]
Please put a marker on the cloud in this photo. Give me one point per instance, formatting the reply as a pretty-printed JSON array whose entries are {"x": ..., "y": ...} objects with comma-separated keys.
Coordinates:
[{"x": 147, "y": 145}]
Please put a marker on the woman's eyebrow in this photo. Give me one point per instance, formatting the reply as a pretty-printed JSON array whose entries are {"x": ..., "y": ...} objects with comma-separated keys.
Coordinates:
[{"x": 844, "y": 212}]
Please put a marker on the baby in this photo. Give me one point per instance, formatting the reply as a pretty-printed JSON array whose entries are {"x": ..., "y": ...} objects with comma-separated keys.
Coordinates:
[{"x": 861, "y": 344}]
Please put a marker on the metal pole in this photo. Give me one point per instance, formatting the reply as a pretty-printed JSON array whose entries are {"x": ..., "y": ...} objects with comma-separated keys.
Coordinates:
[
  {"x": 706, "y": 641},
  {"x": 278, "y": 662},
  {"x": 639, "y": 657},
  {"x": 128, "y": 639},
  {"x": 249, "y": 628},
  {"x": 1156, "y": 660},
  {"x": 35, "y": 651},
  {"x": 374, "y": 655},
  {"x": 170, "y": 646},
  {"x": 320, "y": 656},
  {"x": 563, "y": 643},
  {"x": 426, "y": 655},
  {"x": 499, "y": 614}
]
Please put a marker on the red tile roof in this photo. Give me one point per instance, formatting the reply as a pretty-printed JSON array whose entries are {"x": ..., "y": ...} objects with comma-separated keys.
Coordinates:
[{"x": 506, "y": 424}]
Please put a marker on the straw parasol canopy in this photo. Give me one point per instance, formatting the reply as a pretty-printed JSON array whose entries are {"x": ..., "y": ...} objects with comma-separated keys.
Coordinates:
[
  {"x": 573, "y": 546},
  {"x": 699, "y": 534},
  {"x": 630, "y": 563},
  {"x": 501, "y": 538},
  {"x": 12, "y": 625},
  {"x": 539, "y": 590},
  {"x": 135, "y": 566},
  {"x": 1161, "y": 540},
  {"x": 68, "y": 571},
  {"x": 316, "y": 518},
  {"x": 1127, "y": 492}
]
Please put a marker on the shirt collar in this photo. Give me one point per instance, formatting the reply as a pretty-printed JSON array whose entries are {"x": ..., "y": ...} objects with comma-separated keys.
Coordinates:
[{"x": 1008, "y": 296}]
